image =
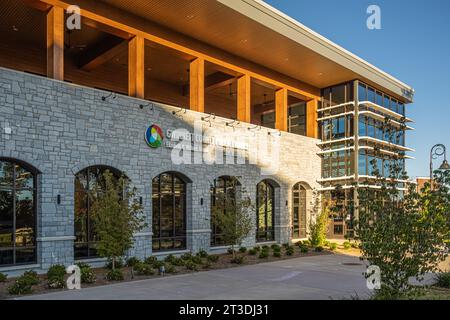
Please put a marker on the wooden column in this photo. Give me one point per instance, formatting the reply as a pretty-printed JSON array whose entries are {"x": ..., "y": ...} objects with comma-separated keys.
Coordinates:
[
  {"x": 281, "y": 109},
  {"x": 55, "y": 43},
  {"x": 312, "y": 130},
  {"x": 197, "y": 85},
  {"x": 243, "y": 100},
  {"x": 136, "y": 67}
]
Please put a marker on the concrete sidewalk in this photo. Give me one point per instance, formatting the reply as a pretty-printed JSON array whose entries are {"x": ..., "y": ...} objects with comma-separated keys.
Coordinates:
[{"x": 319, "y": 277}]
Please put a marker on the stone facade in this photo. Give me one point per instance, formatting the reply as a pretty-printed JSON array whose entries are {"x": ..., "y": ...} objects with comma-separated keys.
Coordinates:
[{"x": 60, "y": 129}]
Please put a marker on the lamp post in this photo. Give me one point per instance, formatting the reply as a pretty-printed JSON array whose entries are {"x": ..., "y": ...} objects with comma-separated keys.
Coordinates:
[{"x": 437, "y": 151}]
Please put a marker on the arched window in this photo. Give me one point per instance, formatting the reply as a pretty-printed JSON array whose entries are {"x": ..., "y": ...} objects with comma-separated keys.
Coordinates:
[
  {"x": 224, "y": 189},
  {"x": 169, "y": 212},
  {"x": 85, "y": 237},
  {"x": 17, "y": 213},
  {"x": 265, "y": 195},
  {"x": 298, "y": 211}
]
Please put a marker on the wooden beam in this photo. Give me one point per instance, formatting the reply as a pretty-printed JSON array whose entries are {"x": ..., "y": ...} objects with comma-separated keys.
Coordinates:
[
  {"x": 218, "y": 80},
  {"x": 281, "y": 109},
  {"x": 312, "y": 129},
  {"x": 125, "y": 29},
  {"x": 197, "y": 85},
  {"x": 41, "y": 6},
  {"x": 102, "y": 52},
  {"x": 55, "y": 43},
  {"x": 244, "y": 99},
  {"x": 136, "y": 67}
]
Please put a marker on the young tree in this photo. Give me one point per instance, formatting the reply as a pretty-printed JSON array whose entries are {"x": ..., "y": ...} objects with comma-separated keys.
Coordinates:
[
  {"x": 318, "y": 226},
  {"x": 116, "y": 215},
  {"x": 234, "y": 216},
  {"x": 403, "y": 234}
]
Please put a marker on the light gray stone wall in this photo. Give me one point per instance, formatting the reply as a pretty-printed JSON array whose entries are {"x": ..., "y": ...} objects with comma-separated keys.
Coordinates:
[{"x": 60, "y": 129}]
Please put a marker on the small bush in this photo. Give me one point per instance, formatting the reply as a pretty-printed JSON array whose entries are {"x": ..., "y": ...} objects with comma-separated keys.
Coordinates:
[
  {"x": 170, "y": 259},
  {"x": 202, "y": 254},
  {"x": 32, "y": 277},
  {"x": 238, "y": 260},
  {"x": 20, "y": 286},
  {"x": 158, "y": 264},
  {"x": 213, "y": 258},
  {"x": 263, "y": 254},
  {"x": 265, "y": 247},
  {"x": 187, "y": 256},
  {"x": 87, "y": 274},
  {"x": 355, "y": 245},
  {"x": 277, "y": 254},
  {"x": 443, "y": 280},
  {"x": 318, "y": 249},
  {"x": 197, "y": 260},
  {"x": 3, "y": 277},
  {"x": 306, "y": 243},
  {"x": 242, "y": 249},
  {"x": 55, "y": 276},
  {"x": 347, "y": 245},
  {"x": 131, "y": 262},
  {"x": 304, "y": 249},
  {"x": 151, "y": 260},
  {"x": 252, "y": 252},
  {"x": 170, "y": 268},
  {"x": 326, "y": 243},
  {"x": 257, "y": 248},
  {"x": 114, "y": 275},
  {"x": 333, "y": 246},
  {"x": 286, "y": 245},
  {"x": 119, "y": 264},
  {"x": 275, "y": 247},
  {"x": 289, "y": 251},
  {"x": 143, "y": 269},
  {"x": 191, "y": 265}
]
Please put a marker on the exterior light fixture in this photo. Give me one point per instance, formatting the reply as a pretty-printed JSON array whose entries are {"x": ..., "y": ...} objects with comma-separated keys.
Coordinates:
[
  {"x": 151, "y": 105},
  {"x": 111, "y": 94},
  {"x": 58, "y": 199},
  {"x": 437, "y": 151}
]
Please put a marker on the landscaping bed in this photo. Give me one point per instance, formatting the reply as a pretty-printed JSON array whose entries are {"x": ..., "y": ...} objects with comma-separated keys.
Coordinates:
[{"x": 133, "y": 269}]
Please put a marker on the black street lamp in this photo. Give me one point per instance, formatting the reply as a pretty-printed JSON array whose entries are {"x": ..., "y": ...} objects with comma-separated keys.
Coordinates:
[{"x": 437, "y": 151}]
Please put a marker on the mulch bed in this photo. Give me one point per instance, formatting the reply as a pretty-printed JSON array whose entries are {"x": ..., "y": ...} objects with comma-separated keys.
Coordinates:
[{"x": 223, "y": 262}]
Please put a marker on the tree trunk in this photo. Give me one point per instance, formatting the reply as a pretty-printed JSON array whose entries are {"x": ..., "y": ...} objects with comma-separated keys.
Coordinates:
[{"x": 114, "y": 263}]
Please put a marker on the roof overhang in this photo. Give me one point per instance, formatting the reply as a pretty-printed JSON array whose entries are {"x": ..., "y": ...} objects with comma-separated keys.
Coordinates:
[{"x": 259, "y": 33}]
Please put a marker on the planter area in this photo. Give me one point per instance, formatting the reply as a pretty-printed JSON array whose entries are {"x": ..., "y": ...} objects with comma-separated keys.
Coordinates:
[{"x": 133, "y": 269}]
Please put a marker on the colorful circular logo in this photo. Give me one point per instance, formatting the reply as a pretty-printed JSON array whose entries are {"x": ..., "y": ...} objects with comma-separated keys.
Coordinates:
[{"x": 154, "y": 136}]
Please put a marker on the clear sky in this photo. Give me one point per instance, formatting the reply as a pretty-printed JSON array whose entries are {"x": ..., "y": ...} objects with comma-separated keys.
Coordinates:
[{"x": 413, "y": 46}]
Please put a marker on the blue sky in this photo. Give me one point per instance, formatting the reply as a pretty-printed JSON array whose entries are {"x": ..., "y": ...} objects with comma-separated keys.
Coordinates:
[{"x": 413, "y": 46}]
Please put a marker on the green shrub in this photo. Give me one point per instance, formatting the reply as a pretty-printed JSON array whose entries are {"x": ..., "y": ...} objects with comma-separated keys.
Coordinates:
[
  {"x": 202, "y": 254},
  {"x": 158, "y": 264},
  {"x": 263, "y": 254},
  {"x": 304, "y": 249},
  {"x": 114, "y": 275},
  {"x": 355, "y": 245},
  {"x": 326, "y": 243},
  {"x": 187, "y": 256},
  {"x": 170, "y": 268},
  {"x": 347, "y": 245},
  {"x": 21, "y": 286},
  {"x": 333, "y": 246},
  {"x": 191, "y": 265},
  {"x": 197, "y": 260},
  {"x": 3, "y": 277},
  {"x": 144, "y": 269},
  {"x": 306, "y": 243},
  {"x": 443, "y": 280},
  {"x": 257, "y": 248},
  {"x": 286, "y": 245},
  {"x": 318, "y": 249},
  {"x": 170, "y": 259},
  {"x": 289, "y": 251},
  {"x": 55, "y": 276},
  {"x": 277, "y": 254},
  {"x": 238, "y": 260},
  {"x": 119, "y": 264},
  {"x": 275, "y": 247},
  {"x": 242, "y": 249},
  {"x": 32, "y": 277},
  {"x": 151, "y": 260},
  {"x": 265, "y": 247},
  {"x": 131, "y": 262},
  {"x": 213, "y": 258},
  {"x": 87, "y": 274},
  {"x": 252, "y": 252}
]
